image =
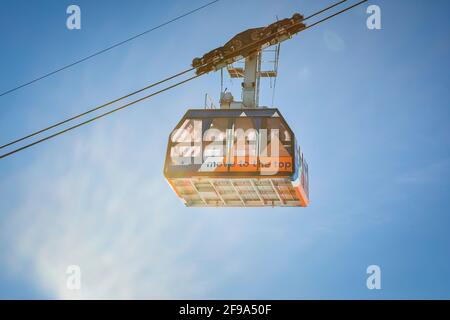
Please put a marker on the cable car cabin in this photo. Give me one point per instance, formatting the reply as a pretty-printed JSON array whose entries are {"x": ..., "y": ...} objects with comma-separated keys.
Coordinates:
[{"x": 236, "y": 158}]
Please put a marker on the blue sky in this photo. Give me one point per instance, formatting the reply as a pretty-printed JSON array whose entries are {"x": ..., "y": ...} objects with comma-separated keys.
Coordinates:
[{"x": 370, "y": 110}]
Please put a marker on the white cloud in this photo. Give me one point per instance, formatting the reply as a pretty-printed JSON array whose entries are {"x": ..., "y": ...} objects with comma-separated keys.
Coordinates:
[
  {"x": 333, "y": 41},
  {"x": 433, "y": 172},
  {"x": 98, "y": 199},
  {"x": 95, "y": 207},
  {"x": 304, "y": 74}
]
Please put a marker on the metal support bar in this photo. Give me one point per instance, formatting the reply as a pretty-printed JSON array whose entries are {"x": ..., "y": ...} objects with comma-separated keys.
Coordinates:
[
  {"x": 198, "y": 192},
  {"x": 257, "y": 192},
  {"x": 237, "y": 192},
  {"x": 276, "y": 191},
  {"x": 217, "y": 191},
  {"x": 250, "y": 81}
]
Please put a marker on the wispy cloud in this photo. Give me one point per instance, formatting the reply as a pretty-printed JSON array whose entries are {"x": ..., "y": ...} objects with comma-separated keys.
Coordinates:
[
  {"x": 103, "y": 213},
  {"x": 432, "y": 172},
  {"x": 103, "y": 206},
  {"x": 333, "y": 41}
]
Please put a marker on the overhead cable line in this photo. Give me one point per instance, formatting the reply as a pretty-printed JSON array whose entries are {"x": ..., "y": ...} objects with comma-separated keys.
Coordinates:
[
  {"x": 325, "y": 9},
  {"x": 147, "y": 96},
  {"x": 311, "y": 16},
  {"x": 94, "y": 109},
  {"x": 131, "y": 94},
  {"x": 335, "y": 14},
  {"x": 107, "y": 49},
  {"x": 98, "y": 117}
]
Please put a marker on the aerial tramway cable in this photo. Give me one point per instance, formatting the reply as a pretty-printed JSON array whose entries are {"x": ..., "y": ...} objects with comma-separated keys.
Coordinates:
[
  {"x": 107, "y": 49},
  {"x": 97, "y": 117},
  {"x": 95, "y": 109},
  {"x": 141, "y": 90},
  {"x": 128, "y": 95}
]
